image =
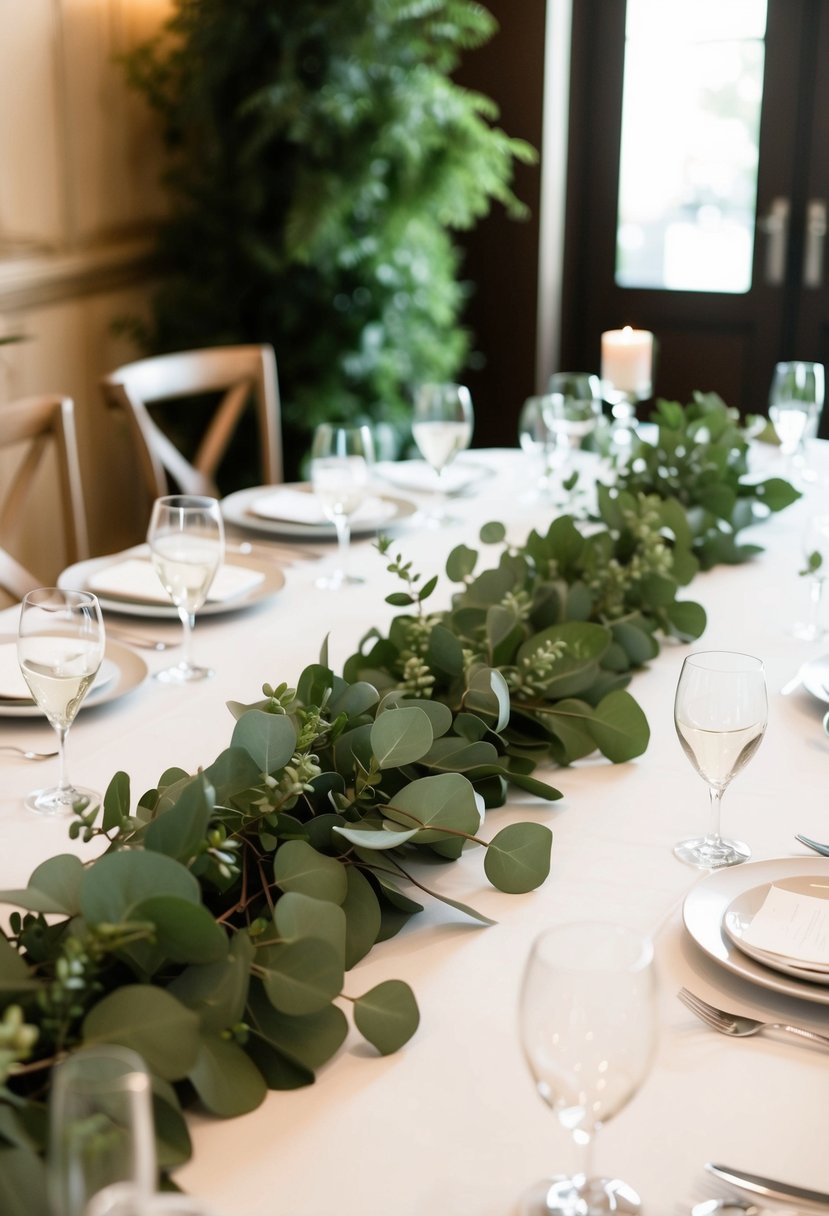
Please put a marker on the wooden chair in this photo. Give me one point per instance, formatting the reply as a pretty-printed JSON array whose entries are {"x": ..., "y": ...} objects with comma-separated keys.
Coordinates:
[
  {"x": 41, "y": 421},
  {"x": 238, "y": 372}
]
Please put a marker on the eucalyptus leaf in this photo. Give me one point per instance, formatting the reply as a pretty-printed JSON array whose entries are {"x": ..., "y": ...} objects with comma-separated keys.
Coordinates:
[
  {"x": 301, "y": 976},
  {"x": 150, "y": 1021},
  {"x": 310, "y": 1039},
  {"x": 299, "y": 916},
  {"x": 299, "y": 867},
  {"x": 116, "y": 802},
  {"x": 401, "y": 736},
  {"x": 518, "y": 857},
  {"x": 225, "y": 1078},
  {"x": 179, "y": 831},
  {"x": 387, "y": 1015},
  {"x": 185, "y": 932},
  {"x": 270, "y": 739},
  {"x": 54, "y": 886},
  {"x": 118, "y": 882}
]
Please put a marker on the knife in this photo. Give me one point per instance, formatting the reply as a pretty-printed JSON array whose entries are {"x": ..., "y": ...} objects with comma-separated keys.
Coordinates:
[{"x": 770, "y": 1188}]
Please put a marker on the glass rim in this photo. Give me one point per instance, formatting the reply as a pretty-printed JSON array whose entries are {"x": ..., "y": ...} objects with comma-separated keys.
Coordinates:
[
  {"x": 65, "y": 597},
  {"x": 640, "y": 959},
  {"x": 185, "y": 502},
  {"x": 742, "y": 662}
]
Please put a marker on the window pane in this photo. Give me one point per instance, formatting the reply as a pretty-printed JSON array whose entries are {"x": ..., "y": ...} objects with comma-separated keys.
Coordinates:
[{"x": 690, "y": 130}]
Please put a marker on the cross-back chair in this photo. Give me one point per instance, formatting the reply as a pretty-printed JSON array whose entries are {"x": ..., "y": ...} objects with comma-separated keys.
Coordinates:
[
  {"x": 239, "y": 373},
  {"x": 40, "y": 422}
]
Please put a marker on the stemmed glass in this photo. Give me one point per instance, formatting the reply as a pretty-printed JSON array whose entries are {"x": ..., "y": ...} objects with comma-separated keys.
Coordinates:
[
  {"x": 187, "y": 544},
  {"x": 587, "y": 1022},
  {"x": 442, "y": 423},
  {"x": 795, "y": 402},
  {"x": 101, "y": 1138},
  {"x": 720, "y": 713},
  {"x": 816, "y": 552},
  {"x": 60, "y": 646},
  {"x": 341, "y": 459},
  {"x": 537, "y": 439}
]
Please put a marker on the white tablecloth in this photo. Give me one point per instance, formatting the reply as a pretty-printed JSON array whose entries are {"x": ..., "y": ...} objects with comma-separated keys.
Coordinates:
[{"x": 451, "y": 1124}]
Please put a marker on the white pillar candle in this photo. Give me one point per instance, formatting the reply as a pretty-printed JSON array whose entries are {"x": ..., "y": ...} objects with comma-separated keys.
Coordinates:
[{"x": 627, "y": 360}]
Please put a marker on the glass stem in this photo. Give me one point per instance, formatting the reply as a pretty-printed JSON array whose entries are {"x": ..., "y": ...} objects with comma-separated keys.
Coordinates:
[
  {"x": 816, "y": 596},
  {"x": 343, "y": 526},
  {"x": 64, "y": 788},
  {"x": 584, "y": 1141},
  {"x": 188, "y": 620},
  {"x": 715, "y": 797}
]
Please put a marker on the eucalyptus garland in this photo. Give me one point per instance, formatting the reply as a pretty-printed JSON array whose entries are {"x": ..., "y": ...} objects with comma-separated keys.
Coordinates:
[{"x": 214, "y": 931}]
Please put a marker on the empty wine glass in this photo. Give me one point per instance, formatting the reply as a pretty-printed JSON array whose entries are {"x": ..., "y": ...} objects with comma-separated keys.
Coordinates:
[
  {"x": 795, "y": 402},
  {"x": 537, "y": 438},
  {"x": 341, "y": 459},
  {"x": 442, "y": 423},
  {"x": 587, "y": 1022},
  {"x": 60, "y": 646},
  {"x": 816, "y": 553},
  {"x": 186, "y": 539},
  {"x": 720, "y": 713},
  {"x": 101, "y": 1137},
  {"x": 574, "y": 406}
]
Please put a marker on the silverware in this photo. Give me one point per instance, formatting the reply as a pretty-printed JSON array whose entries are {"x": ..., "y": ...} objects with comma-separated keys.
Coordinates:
[
  {"x": 792, "y": 684},
  {"x": 769, "y": 1188},
  {"x": 738, "y": 1026},
  {"x": 709, "y": 1207},
  {"x": 823, "y": 849},
  {"x": 272, "y": 549},
  {"x": 26, "y": 755},
  {"x": 137, "y": 639}
]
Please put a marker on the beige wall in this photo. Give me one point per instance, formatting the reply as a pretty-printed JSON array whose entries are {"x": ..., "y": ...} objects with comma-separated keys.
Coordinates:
[{"x": 79, "y": 167}]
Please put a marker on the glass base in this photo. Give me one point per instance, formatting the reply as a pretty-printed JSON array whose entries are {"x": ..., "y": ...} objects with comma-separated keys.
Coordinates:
[
  {"x": 712, "y": 854},
  {"x": 562, "y": 1196},
  {"x": 56, "y": 801},
  {"x": 183, "y": 673},
  {"x": 333, "y": 582},
  {"x": 805, "y": 631}
]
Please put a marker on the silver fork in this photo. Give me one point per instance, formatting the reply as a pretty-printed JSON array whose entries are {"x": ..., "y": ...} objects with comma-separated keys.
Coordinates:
[
  {"x": 739, "y": 1026},
  {"x": 137, "y": 639},
  {"x": 26, "y": 755}
]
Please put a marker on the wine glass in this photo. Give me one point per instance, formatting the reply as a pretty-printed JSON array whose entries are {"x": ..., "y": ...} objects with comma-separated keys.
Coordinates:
[
  {"x": 101, "y": 1135},
  {"x": 537, "y": 438},
  {"x": 720, "y": 714},
  {"x": 60, "y": 646},
  {"x": 442, "y": 423},
  {"x": 816, "y": 553},
  {"x": 587, "y": 1022},
  {"x": 574, "y": 406},
  {"x": 795, "y": 402},
  {"x": 186, "y": 539},
  {"x": 341, "y": 459}
]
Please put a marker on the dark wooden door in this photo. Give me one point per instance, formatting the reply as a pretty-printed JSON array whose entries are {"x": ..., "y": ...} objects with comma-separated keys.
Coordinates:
[{"x": 710, "y": 340}]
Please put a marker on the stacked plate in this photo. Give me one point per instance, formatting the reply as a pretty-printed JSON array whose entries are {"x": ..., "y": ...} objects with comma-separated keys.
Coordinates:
[
  {"x": 767, "y": 921},
  {"x": 121, "y": 671},
  {"x": 292, "y": 511}
]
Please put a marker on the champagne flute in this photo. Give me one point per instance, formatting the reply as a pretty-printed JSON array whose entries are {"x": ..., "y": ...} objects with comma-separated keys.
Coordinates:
[
  {"x": 537, "y": 438},
  {"x": 186, "y": 539},
  {"x": 587, "y": 1022},
  {"x": 101, "y": 1136},
  {"x": 573, "y": 402},
  {"x": 816, "y": 553},
  {"x": 795, "y": 403},
  {"x": 442, "y": 423},
  {"x": 60, "y": 646},
  {"x": 341, "y": 458},
  {"x": 720, "y": 713}
]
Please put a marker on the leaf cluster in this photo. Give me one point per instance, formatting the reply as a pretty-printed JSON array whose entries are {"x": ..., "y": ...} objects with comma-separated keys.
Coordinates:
[
  {"x": 700, "y": 459},
  {"x": 214, "y": 932},
  {"x": 564, "y": 618}
]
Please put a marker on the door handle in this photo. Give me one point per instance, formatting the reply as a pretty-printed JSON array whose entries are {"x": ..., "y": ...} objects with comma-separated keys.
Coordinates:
[
  {"x": 775, "y": 226},
  {"x": 813, "y": 246}
]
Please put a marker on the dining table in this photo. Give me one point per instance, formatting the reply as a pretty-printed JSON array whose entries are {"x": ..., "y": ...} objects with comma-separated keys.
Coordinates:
[{"x": 451, "y": 1124}]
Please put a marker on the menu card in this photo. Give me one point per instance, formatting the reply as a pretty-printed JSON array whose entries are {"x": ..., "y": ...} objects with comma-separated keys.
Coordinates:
[{"x": 792, "y": 924}]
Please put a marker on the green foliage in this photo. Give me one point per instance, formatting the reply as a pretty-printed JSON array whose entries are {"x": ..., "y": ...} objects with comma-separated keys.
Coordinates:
[
  {"x": 214, "y": 932},
  {"x": 700, "y": 460},
  {"x": 319, "y": 158}
]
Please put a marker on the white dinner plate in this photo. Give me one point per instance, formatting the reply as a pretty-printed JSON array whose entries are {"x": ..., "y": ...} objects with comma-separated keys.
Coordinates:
[
  {"x": 706, "y": 904},
  {"x": 237, "y": 509},
  {"x": 741, "y": 912},
  {"x": 418, "y": 477},
  {"x": 77, "y": 577},
  {"x": 815, "y": 676},
  {"x": 125, "y": 671}
]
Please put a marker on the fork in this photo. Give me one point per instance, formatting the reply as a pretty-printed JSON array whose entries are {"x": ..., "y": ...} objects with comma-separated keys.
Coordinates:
[
  {"x": 823, "y": 849},
  {"x": 738, "y": 1026},
  {"x": 137, "y": 639},
  {"x": 26, "y": 755}
]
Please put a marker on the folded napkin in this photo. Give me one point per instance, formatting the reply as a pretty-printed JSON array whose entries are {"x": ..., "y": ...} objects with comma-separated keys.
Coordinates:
[
  {"x": 301, "y": 507},
  {"x": 14, "y": 688},
  {"x": 135, "y": 579},
  {"x": 420, "y": 477}
]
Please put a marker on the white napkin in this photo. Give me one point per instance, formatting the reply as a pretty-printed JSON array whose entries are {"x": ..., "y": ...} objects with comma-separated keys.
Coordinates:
[
  {"x": 792, "y": 925},
  {"x": 420, "y": 477},
  {"x": 300, "y": 507},
  {"x": 135, "y": 579},
  {"x": 14, "y": 688}
]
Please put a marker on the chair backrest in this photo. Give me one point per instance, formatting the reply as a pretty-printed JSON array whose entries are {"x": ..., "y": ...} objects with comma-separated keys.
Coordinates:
[
  {"x": 39, "y": 422},
  {"x": 238, "y": 372}
]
